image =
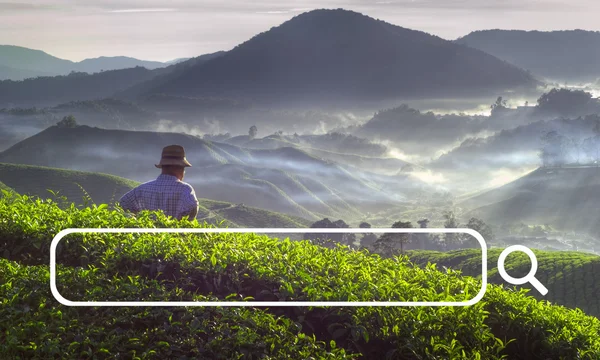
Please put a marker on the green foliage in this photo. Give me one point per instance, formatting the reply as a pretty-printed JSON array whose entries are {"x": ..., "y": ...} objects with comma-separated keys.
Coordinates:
[
  {"x": 67, "y": 122},
  {"x": 229, "y": 266},
  {"x": 569, "y": 276},
  {"x": 33, "y": 325}
]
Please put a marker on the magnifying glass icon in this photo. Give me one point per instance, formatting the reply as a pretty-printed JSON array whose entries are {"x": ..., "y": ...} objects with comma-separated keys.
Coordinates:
[{"x": 529, "y": 278}]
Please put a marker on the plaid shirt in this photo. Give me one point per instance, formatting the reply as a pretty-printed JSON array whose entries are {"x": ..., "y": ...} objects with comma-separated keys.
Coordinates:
[{"x": 167, "y": 193}]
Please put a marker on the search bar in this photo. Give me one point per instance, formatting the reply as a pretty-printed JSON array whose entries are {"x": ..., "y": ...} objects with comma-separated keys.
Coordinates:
[{"x": 67, "y": 302}]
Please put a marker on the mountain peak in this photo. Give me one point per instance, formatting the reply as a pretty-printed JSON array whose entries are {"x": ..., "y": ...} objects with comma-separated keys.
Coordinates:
[{"x": 341, "y": 55}]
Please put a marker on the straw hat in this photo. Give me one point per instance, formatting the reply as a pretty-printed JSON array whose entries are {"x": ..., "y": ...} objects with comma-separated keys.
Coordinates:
[{"x": 173, "y": 155}]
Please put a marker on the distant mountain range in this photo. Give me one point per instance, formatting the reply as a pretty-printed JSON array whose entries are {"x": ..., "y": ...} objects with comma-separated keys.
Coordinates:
[
  {"x": 79, "y": 86},
  {"x": 339, "y": 55},
  {"x": 18, "y": 63},
  {"x": 572, "y": 55},
  {"x": 319, "y": 57}
]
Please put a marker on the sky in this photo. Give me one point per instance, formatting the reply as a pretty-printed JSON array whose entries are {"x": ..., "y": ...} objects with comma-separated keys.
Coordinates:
[{"x": 164, "y": 30}]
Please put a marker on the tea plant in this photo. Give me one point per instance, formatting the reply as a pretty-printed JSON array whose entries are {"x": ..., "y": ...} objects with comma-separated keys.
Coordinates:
[{"x": 505, "y": 324}]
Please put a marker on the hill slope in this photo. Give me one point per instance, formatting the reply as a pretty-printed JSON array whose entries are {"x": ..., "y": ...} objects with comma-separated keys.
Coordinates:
[
  {"x": 569, "y": 276},
  {"x": 566, "y": 198},
  {"x": 33, "y": 60},
  {"x": 333, "y": 55},
  {"x": 37, "y": 180},
  {"x": 284, "y": 180},
  {"x": 47, "y": 91},
  {"x": 99, "y": 188},
  {"x": 557, "y": 55}
]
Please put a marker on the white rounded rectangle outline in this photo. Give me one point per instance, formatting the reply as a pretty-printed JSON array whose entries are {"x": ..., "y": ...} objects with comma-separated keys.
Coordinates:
[{"x": 66, "y": 232}]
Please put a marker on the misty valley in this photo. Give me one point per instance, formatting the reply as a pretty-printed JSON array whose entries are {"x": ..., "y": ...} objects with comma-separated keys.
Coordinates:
[{"x": 333, "y": 120}]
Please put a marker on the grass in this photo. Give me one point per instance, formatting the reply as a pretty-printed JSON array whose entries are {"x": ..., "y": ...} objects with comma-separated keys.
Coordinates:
[
  {"x": 569, "y": 276},
  {"x": 505, "y": 324}
]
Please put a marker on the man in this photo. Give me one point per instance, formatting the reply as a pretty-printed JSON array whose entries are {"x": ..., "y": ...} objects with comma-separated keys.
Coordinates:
[{"x": 168, "y": 192}]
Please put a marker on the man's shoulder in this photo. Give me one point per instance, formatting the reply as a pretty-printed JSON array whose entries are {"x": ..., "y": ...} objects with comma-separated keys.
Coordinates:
[{"x": 186, "y": 186}]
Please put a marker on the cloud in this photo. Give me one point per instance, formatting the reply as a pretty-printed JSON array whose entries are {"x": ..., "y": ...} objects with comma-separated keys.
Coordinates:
[
  {"x": 13, "y": 6},
  {"x": 141, "y": 10}
]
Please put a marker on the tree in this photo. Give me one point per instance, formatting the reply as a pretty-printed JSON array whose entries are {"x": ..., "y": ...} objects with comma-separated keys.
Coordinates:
[
  {"x": 451, "y": 222},
  {"x": 67, "y": 122},
  {"x": 368, "y": 239},
  {"x": 423, "y": 223},
  {"x": 498, "y": 106},
  {"x": 252, "y": 132},
  {"x": 330, "y": 240},
  {"x": 388, "y": 243},
  {"x": 566, "y": 102},
  {"x": 481, "y": 227}
]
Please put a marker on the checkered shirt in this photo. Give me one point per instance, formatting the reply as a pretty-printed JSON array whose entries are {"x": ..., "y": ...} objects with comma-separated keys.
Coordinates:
[{"x": 167, "y": 193}]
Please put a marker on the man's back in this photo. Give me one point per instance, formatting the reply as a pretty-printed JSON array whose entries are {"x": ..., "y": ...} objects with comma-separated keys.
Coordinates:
[{"x": 167, "y": 193}]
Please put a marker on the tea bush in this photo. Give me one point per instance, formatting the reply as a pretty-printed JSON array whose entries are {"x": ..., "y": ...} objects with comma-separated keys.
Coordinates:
[
  {"x": 569, "y": 276},
  {"x": 505, "y": 324}
]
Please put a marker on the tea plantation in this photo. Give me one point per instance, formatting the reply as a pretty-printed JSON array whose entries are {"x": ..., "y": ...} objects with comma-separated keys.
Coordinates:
[
  {"x": 145, "y": 267},
  {"x": 569, "y": 276}
]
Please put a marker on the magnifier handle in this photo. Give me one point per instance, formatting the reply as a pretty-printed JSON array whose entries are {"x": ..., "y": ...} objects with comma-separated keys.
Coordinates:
[{"x": 538, "y": 286}]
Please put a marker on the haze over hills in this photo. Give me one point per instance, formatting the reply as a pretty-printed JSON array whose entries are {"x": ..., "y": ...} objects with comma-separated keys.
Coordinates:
[
  {"x": 96, "y": 188},
  {"x": 333, "y": 55},
  {"x": 285, "y": 179},
  {"x": 566, "y": 198},
  {"x": 28, "y": 63},
  {"x": 571, "y": 55}
]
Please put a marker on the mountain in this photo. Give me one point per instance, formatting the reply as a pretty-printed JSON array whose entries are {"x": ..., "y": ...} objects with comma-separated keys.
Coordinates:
[
  {"x": 284, "y": 180},
  {"x": 18, "y": 57},
  {"x": 165, "y": 75},
  {"x": 572, "y": 55},
  {"x": 565, "y": 198},
  {"x": 19, "y": 63},
  {"x": 177, "y": 61},
  {"x": 105, "y": 63},
  {"x": 329, "y": 55}
]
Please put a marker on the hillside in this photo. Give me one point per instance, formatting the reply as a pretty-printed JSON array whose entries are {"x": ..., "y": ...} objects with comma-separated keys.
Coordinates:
[
  {"x": 163, "y": 76},
  {"x": 9, "y": 73},
  {"x": 283, "y": 180},
  {"x": 37, "y": 181},
  {"x": 570, "y": 55},
  {"x": 226, "y": 267},
  {"x": 566, "y": 198},
  {"x": 48, "y": 91},
  {"x": 338, "y": 55},
  {"x": 84, "y": 187},
  {"x": 569, "y": 276},
  {"x": 33, "y": 60}
]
